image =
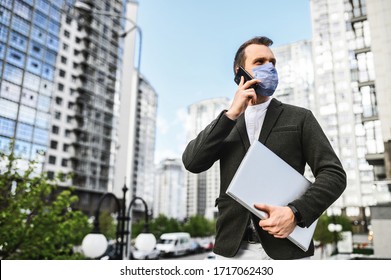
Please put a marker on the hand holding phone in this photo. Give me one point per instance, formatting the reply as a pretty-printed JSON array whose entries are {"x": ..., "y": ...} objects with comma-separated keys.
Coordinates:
[{"x": 247, "y": 77}]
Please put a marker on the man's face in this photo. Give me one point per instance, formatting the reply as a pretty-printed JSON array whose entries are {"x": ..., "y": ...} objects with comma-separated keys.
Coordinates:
[{"x": 257, "y": 55}]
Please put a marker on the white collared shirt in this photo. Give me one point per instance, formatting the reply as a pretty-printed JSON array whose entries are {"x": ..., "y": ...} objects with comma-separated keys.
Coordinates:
[{"x": 254, "y": 117}]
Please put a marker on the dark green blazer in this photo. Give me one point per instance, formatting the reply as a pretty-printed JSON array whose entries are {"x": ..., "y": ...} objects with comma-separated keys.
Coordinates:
[{"x": 293, "y": 134}]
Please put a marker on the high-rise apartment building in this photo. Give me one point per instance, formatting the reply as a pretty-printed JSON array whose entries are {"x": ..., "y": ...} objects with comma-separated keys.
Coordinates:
[
  {"x": 60, "y": 71},
  {"x": 296, "y": 78},
  {"x": 347, "y": 97},
  {"x": 29, "y": 43},
  {"x": 170, "y": 190},
  {"x": 144, "y": 146},
  {"x": 379, "y": 15},
  {"x": 203, "y": 188},
  {"x": 296, "y": 74}
]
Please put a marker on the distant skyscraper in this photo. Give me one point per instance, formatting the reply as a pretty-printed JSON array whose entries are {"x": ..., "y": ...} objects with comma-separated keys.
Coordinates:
[
  {"x": 296, "y": 77},
  {"x": 59, "y": 74},
  {"x": 203, "y": 188},
  {"x": 170, "y": 190},
  {"x": 296, "y": 74},
  {"x": 144, "y": 146},
  {"x": 346, "y": 95}
]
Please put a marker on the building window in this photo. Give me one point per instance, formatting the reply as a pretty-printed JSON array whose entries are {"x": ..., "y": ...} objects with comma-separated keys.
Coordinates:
[
  {"x": 67, "y": 133},
  {"x": 65, "y": 148},
  {"x": 67, "y": 34},
  {"x": 53, "y": 145},
  {"x": 64, "y": 162},
  {"x": 55, "y": 129},
  {"x": 69, "y": 119},
  {"x": 50, "y": 175},
  {"x": 62, "y": 73},
  {"x": 58, "y": 100},
  {"x": 65, "y": 47},
  {"x": 52, "y": 159},
  {"x": 63, "y": 60},
  {"x": 60, "y": 87},
  {"x": 57, "y": 115}
]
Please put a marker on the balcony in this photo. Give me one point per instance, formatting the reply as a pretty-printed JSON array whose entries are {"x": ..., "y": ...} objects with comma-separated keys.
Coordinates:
[{"x": 375, "y": 159}]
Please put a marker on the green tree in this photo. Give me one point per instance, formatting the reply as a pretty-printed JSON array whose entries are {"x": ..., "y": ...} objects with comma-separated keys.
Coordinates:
[
  {"x": 107, "y": 225},
  {"x": 36, "y": 220},
  {"x": 199, "y": 226},
  {"x": 322, "y": 233},
  {"x": 157, "y": 226}
]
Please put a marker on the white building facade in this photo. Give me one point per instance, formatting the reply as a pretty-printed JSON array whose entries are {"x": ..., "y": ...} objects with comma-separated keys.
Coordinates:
[
  {"x": 203, "y": 188},
  {"x": 170, "y": 190}
]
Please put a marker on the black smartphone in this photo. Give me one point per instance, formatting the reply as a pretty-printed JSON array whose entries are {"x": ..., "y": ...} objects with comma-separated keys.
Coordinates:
[{"x": 247, "y": 77}]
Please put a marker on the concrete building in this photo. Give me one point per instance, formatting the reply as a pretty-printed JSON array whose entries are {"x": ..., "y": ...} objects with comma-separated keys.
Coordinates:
[
  {"x": 296, "y": 74},
  {"x": 379, "y": 15},
  {"x": 203, "y": 188},
  {"x": 144, "y": 146},
  {"x": 60, "y": 75},
  {"x": 347, "y": 96},
  {"x": 170, "y": 190}
]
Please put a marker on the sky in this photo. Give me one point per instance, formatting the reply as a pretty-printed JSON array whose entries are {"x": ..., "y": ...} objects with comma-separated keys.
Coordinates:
[{"x": 188, "y": 48}]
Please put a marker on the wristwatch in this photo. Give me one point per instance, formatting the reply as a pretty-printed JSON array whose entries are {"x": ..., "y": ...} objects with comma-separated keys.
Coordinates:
[{"x": 298, "y": 217}]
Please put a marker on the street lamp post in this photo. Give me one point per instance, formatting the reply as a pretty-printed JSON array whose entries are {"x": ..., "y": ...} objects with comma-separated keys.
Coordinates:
[
  {"x": 95, "y": 244},
  {"x": 335, "y": 229}
]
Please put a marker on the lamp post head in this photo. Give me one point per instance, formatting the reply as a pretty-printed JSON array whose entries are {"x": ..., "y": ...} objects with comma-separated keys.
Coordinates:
[
  {"x": 82, "y": 6},
  {"x": 94, "y": 245},
  {"x": 145, "y": 242}
]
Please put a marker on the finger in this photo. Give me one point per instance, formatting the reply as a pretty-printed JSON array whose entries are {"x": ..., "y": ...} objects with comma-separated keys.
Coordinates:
[
  {"x": 279, "y": 235},
  {"x": 250, "y": 83},
  {"x": 250, "y": 93},
  {"x": 241, "y": 81},
  {"x": 263, "y": 207}
]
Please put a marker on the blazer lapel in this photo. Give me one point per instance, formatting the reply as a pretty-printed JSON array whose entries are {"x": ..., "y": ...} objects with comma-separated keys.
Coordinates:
[{"x": 273, "y": 112}]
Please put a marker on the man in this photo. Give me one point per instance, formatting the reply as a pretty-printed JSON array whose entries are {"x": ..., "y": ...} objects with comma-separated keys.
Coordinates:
[{"x": 289, "y": 131}]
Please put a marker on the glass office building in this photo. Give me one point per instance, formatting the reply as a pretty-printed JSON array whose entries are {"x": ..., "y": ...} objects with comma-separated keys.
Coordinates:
[
  {"x": 59, "y": 77},
  {"x": 29, "y": 42}
]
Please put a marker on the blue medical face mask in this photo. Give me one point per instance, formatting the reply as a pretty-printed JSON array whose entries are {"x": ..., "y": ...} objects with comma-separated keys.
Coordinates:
[{"x": 268, "y": 76}]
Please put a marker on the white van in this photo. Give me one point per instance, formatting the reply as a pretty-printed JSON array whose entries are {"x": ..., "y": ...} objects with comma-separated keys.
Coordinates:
[{"x": 174, "y": 243}]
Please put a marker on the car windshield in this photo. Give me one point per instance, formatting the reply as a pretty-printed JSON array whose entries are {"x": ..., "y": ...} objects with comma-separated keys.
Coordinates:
[{"x": 166, "y": 241}]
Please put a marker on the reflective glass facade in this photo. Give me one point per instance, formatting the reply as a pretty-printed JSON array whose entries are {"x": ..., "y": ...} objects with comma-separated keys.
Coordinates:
[
  {"x": 29, "y": 42},
  {"x": 59, "y": 76}
]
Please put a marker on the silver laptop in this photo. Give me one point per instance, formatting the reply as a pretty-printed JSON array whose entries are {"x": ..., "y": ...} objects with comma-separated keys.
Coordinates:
[{"x": 263, "y": 177}]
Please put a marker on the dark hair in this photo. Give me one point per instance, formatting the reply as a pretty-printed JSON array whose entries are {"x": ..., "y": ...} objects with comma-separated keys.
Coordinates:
[{"x": 240, "y": 57}]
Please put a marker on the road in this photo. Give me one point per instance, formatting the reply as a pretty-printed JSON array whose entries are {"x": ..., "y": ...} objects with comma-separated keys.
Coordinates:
[{"x": 201, "y": 256}]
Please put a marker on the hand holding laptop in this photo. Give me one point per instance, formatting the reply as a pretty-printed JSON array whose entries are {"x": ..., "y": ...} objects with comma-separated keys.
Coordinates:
[{"x": 280, "y": 221}]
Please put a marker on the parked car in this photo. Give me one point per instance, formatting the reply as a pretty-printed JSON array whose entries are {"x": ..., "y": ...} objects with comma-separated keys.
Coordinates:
[
  {"x": 207, "y": 245},
  {"x": 174, "y": 244},
  {"x": 142, "y": 255},
  {"x": 195, "y": 247}
]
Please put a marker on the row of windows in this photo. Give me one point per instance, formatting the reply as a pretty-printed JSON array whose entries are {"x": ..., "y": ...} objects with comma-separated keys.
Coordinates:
[
  {"x": 24, "y": 149},
  {"x": 56, "y": 130},
  {"x": 23, "y": 131},
  {"x": 33, "y": 65},
  {"x": 15, "y": 74},
  {"x": 9, "y": 109},
  {"x": 64, "y": 161}
]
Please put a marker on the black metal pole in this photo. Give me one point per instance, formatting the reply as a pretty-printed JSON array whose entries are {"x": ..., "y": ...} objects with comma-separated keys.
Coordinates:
[
  {"x": 146, "y": 224},
  {"x": 335, "y": 235},
  {"x": 97, "y": 214},
  {"x": 123, "y": 221}
]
